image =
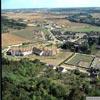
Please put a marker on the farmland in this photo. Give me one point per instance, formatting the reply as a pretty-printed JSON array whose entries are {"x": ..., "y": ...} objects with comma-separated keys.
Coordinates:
[
  {"x": 96, "y": 15},
  {"x": 57, "y": 19},
  {"x": 80, "y": 60},
  {"x": 27, "y": 16},
  {"x": 25, "y": 33},
  {"x": 75, "y": 27},
  {"x": 11, "y": 39},
  {"x": 83, "y": 28}
]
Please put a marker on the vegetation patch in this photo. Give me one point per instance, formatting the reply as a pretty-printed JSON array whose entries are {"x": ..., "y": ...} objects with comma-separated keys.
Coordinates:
[
  {"x": 33, "y": 80},
  {"x": 80, "y": 60}
]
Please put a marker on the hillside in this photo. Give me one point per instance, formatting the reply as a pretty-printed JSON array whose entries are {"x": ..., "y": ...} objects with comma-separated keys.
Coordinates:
[{"x": 33, "y": 80}]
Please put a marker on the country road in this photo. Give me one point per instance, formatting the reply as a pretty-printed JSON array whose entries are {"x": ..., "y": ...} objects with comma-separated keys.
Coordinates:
[{"x": 55, "y": 39}]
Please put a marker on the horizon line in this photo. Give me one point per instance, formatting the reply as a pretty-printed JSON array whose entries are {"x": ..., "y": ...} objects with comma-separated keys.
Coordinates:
[{"x": 47, "y": 8}]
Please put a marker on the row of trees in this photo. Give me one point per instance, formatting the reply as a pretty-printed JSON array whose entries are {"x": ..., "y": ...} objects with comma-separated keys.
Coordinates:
[{"x": 86, "y": 19}]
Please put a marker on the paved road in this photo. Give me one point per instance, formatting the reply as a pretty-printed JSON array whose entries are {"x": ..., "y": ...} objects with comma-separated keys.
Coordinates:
[
  {"x": 55, "y": 39},
  {"x": 43, "y": 35}
]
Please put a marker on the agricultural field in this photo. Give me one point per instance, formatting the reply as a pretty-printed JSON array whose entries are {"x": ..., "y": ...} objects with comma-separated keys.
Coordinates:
[
  {"x": 28, "y": 33},
  {"x": 83, "y": 28},
  {"x": 81, "y": 60},
  {"x": 58, "y": 19},
  {"x": 96, "y": 63},
  {"x": 11, "y": 39},
  {"x": 96, "y": 15},
  {"x": 26, "y": 16},
  {"x": 75, "y": 27}
]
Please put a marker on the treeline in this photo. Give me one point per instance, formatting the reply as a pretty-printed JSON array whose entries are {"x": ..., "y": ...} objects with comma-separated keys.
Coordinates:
[
  {"x": 84, "y": 18},
  {"x": 11, "y": 23},
  {"x": 33, "y": 80}
]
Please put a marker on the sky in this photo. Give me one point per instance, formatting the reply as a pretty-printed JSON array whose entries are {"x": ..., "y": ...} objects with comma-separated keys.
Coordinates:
[{"x": 13, "y": 4}]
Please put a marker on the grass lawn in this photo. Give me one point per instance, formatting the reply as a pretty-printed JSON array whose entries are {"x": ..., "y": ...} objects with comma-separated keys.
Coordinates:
[{"x": 84, "y": 59}]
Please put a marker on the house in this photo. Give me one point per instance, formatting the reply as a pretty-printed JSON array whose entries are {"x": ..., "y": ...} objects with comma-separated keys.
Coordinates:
[
  {"x": 40, "y": 52},
  {"x": 26, "y": 52},
  {"x": 61, "y": 69},
  {"x": 14, "y": 52},
  {"x": 19, "y": 51},
  {"x": 47, "y": 53},
  {"x": 37, "y": 51}
]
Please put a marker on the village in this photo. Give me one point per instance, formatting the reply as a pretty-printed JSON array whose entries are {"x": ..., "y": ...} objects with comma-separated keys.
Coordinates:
[{"x": 56, "y": 57}]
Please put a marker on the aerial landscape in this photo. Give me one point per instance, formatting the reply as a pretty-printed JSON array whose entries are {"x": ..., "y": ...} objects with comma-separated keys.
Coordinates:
[{"x": 50, "y": 53}]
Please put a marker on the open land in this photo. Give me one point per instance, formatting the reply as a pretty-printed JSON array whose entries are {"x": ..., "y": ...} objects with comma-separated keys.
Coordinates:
[
  {"x": 26, "y": 33},
  {"x": 59, "y": 20},
  {"x": 27, "y": 16},
  {"x": 11, "y": 39}
]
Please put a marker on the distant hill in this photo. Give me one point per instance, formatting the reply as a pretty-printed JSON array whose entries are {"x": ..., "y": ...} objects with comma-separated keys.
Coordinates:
[
  {"x": 57, "y": 10},
  {"x": 84, "y": 18}
]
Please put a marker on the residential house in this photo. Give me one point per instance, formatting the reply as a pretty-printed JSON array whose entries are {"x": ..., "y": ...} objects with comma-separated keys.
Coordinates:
[
  {"x": 19, "y": 51},
  {"x": 37, "y": 51}
]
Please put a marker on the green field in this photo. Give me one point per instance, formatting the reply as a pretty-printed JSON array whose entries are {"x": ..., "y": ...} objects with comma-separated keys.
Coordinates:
[
  {"x": 80, "y": 57},
  {"x": 83, "y": 29}
]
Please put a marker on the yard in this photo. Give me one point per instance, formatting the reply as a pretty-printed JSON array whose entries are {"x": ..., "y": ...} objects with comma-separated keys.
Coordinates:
[{"x": 82, "y": 60}]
